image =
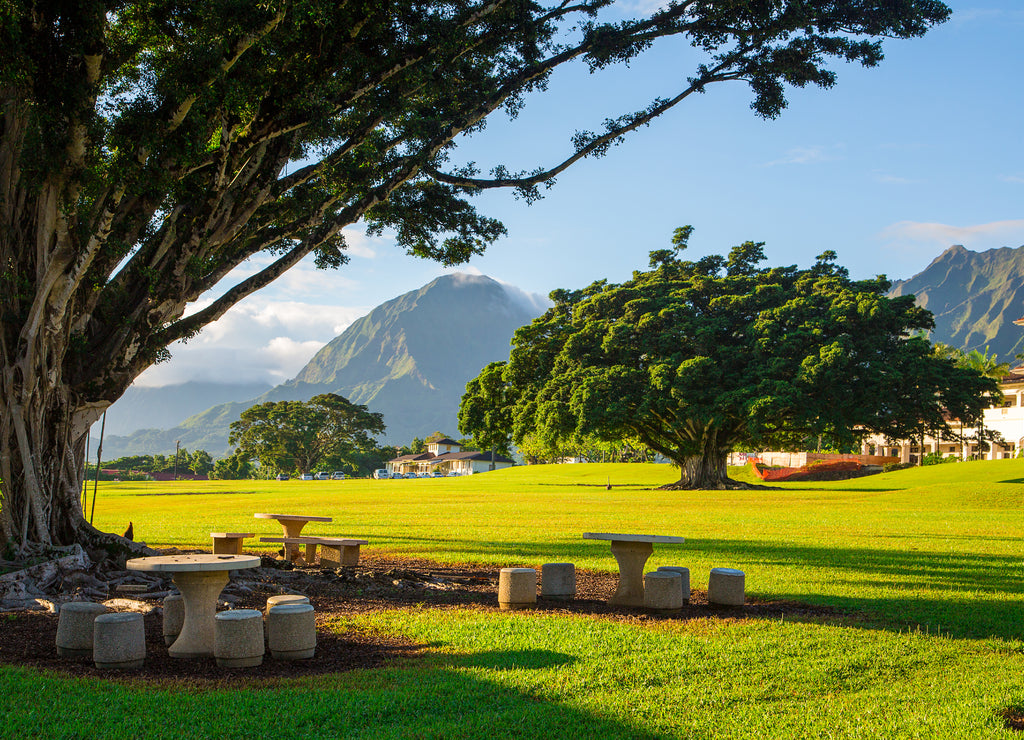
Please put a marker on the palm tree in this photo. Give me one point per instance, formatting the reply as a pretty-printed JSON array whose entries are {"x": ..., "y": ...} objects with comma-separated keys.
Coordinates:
[{"x": 989, "y": 367}]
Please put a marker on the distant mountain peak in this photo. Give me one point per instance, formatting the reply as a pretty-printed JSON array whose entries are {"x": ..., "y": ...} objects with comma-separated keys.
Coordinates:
[
  {"x": 974, "y": 296},
  {"x": 409, "y": 358}
]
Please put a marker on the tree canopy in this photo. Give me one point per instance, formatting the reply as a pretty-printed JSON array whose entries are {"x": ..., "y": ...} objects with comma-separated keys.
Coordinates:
[
  {"x": 694, "y": 358},
  {"x": 148, "y": 148},
  {"x": 298, "y": 436}
]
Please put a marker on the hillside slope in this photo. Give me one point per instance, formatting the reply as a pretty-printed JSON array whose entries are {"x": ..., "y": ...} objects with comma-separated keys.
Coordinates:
[
  {"x": 975, "y": 297},
  {"x": 409, "y": 359}
]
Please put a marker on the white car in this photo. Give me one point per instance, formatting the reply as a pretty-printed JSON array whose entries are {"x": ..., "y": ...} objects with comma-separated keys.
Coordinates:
[
  {"x": 322, "y": 476},
  {"x": 306, "y": 476},
  {"x": 381, "y": 474},
  {"x": 337, "y": 475}
]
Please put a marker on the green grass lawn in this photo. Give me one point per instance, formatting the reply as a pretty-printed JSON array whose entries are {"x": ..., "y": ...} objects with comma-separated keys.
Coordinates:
[{"x": 925, "y": 566}]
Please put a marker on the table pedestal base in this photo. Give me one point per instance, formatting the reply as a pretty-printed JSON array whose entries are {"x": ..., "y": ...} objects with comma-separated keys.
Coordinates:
[
  {"x": 631, "y": 557},
  {"x": 293, "y": 528},
  {"x": 199, "y": 590}
]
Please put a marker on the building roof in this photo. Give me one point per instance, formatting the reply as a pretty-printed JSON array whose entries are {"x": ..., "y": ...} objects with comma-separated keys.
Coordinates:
[
  {"x": 442, "y": 441},
  {"x": 413, "y": 457},
  {"x": 448, "y": 456},
  {"x": 469, "y": 455}
]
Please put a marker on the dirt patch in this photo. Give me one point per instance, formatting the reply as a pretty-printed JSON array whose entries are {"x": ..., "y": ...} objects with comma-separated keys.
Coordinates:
[
  {"x": 1013, "y": 718},
  {"x": 379, "y": 583}
]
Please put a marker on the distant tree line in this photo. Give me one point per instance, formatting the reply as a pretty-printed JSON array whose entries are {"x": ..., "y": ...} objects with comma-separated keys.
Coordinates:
[{"x": 199, "y": 462}]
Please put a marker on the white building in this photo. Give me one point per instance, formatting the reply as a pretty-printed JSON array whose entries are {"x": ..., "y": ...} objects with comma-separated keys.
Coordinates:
[
  {"x": 446, "y": 456},
  {"x": 1007, "y": 419}
]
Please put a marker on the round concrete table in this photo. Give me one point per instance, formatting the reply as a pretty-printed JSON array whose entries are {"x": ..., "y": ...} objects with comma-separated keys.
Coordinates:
[
  {"x": 200, "y": 578},
  {"x": 631, "y": 551},
  {"x": 292, "y": 525}
]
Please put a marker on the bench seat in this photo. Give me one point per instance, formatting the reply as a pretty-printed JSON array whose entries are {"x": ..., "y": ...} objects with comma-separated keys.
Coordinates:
[{"x": 334, "y": 551}]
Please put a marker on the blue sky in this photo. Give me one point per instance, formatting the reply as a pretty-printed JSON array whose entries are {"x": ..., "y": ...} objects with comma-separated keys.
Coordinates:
[{"x": 888, "y": 168}]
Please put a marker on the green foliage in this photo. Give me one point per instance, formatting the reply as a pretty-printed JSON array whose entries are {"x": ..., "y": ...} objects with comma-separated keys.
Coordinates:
[
  {"x": 695, "y": 358},
  {"x": 937, "y": 458},
  {"x": 298, "y": 436},
  {"x": 235, "y": 467},
  {"x": 199, "y": 462}
]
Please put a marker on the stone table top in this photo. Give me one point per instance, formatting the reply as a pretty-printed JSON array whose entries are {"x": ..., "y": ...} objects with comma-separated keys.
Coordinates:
[
  {"x": 293, "y": 517},
  {"x": 195, "y": 562},
  {"x": 633, "y": 537}
]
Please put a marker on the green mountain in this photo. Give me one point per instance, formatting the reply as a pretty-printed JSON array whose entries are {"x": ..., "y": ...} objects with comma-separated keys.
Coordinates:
[
  {"x": 409, "y": 359},
  {"x": 975, "y": 297},
  {"x": 167, "y": 406}
]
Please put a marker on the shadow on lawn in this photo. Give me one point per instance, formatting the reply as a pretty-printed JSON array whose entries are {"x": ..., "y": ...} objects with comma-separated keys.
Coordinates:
[
  {"x": 975, "y": 596},
  {"x": 438, "y": 698}
]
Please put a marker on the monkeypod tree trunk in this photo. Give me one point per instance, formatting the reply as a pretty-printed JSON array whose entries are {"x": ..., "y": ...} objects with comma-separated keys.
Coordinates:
[
  {"x": 703, "y": 461},
  {"x": 705, "y": 471}
]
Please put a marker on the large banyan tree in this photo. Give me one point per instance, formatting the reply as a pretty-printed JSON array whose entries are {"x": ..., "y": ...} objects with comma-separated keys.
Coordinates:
[{"x": 149, "y": 147}]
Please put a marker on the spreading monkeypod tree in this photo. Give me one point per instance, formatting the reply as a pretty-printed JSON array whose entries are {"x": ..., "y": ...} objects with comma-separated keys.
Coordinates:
[
  {"x": 297, "y": 436},
  {"x": 695, "y": 359},
  {"x": 150, "y": 147}
]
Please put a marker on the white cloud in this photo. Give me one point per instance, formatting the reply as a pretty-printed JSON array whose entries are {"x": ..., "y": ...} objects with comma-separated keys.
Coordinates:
[
  {"x": 804, "y": 155},
  {"x": 1017, "y": 179},
  {"x": 361, "y": 245},
  {"x": 993, "y": 234},
  {"x": 535, "y": 303},
  {"x": 257, "y": 340}
]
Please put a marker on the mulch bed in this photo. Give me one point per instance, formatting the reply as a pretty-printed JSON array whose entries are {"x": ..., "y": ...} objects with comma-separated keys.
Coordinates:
[{"x": 378, "y": 583}]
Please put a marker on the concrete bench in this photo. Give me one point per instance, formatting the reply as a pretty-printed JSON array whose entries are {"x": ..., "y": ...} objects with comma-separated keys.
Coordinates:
[
  {"x": 334, "y": 552},
  {"x": 229, "y": 543}
]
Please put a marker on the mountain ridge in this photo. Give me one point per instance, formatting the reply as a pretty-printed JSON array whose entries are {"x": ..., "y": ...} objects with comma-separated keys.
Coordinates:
[
  {"x": 974, "y": 297},
  {"x": 409, "y": 359}
]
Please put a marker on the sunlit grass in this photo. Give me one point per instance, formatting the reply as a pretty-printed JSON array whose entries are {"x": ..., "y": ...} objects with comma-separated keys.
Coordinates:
[
  {"x": 923, "y": 566},
  {"x": 914, "y": 546}
]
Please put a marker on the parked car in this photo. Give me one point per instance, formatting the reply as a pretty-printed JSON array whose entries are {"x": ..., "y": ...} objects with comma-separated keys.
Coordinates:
[
  {"x": 322, "y": 476},
  {"x": 282, "y": 476},
  {"x": 306, "y": 476},
  {"x": 381, "y": 474},
  {"x": 337, "y": 475},
  {"x": 453, "y": 474},
  {"x": 437, "y": 474}
]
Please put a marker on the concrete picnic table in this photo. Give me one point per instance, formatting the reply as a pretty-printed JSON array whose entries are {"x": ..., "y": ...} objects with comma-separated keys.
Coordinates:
[
  {"x": 631, "y": 551},
  {"x": 292, "y": 525},
  {"x": 200, "y": 578}
]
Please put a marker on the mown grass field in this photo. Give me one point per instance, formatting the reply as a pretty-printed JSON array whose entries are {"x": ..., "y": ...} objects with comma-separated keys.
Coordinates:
[{"x": 926, "y": 566}]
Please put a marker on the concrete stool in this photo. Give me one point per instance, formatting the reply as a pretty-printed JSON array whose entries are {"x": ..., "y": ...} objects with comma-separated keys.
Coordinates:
[
  {"x": 119, "y": 640},
  {"x": 662, "y": 591},
  {"x": 74, "y": 628},
  {"x": 558, "y": 581},
  {"x": 174, "y": 617},
  {"x": 291, "y": 631},
  {"x": 238, "y": 638},
  {"x": 285, "y": 599},
  {"x": 726, "y": 587},
  {"x": 684, "y": 573},
  {"x": 517, "y": 588}
]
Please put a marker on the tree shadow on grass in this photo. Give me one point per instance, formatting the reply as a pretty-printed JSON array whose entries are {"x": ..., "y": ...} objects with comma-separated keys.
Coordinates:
[{"x": 444, "y": 697}]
